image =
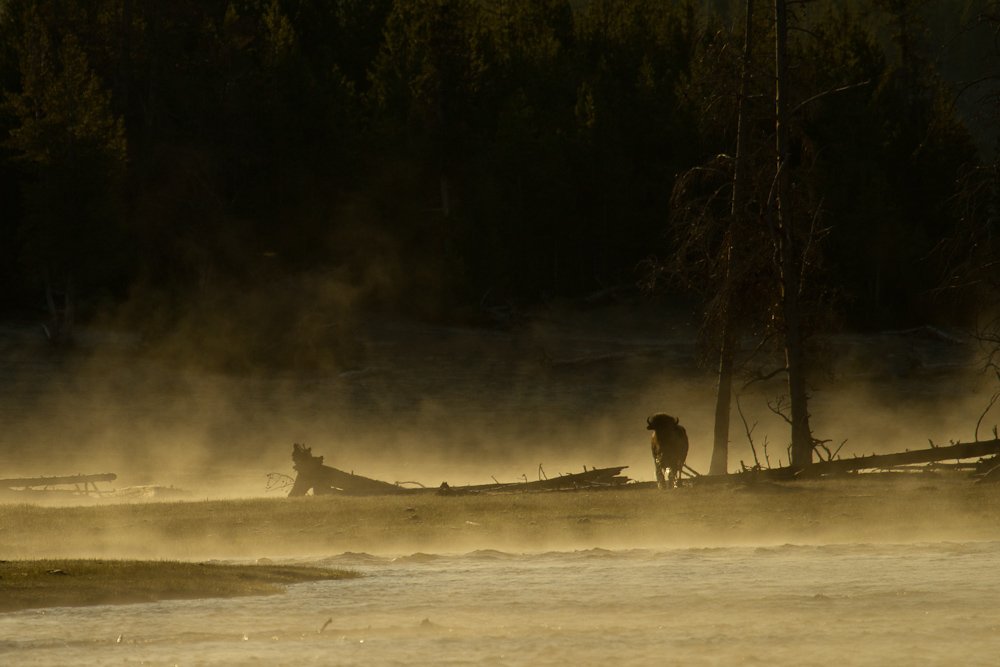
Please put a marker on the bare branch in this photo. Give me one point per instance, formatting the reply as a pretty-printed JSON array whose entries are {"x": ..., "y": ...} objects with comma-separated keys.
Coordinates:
[
  {"x": 778, "y": 408},
  {"x": 839, "y": 448},
  {"x": 764, "y": 378},
  {"x": 810, "y": 238},
  {"x": 993, "y": 401},
  {"x": 825, "y": 93},
  {"x": 760, "y": 346},
  {"x": 822, "y": 445},
  {"x": 749, "y": 431}
]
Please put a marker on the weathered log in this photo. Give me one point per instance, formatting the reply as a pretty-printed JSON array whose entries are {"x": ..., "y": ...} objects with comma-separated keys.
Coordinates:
[
  {"x": 960, "y": 451},
  {"x": 31, "y": 482},
  {"x": 324, "y": 480},
  {"x": 594, "y": 478},
  {"x": 967, "y": 450}
]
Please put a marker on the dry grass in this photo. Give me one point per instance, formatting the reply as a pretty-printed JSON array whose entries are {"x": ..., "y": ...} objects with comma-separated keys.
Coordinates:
[
  {"x": 32, "y": 584},
  {"x": 896, "y": 508}
]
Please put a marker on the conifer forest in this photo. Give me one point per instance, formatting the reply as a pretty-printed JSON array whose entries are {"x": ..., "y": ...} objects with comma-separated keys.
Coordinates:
[{"x": 264, "y": 168}]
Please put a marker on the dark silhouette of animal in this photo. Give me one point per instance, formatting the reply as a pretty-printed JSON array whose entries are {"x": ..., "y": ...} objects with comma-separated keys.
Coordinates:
[{"x": 670, "y": 448}]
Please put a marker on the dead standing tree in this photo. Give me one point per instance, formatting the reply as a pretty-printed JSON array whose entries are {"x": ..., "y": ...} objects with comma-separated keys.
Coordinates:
[
  {"x": 728, "y": 260},
  {"x": 748, "y": 236},
  {"x": 723, "y": 405},
  {"x": 723, "y": 249},
  {"x": 790, "y": 265},
  {"x": 794, "y": 216}
]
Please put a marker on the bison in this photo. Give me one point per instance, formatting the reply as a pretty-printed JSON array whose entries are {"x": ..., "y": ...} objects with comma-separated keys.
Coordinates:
[{"x": 670, "y": 448}]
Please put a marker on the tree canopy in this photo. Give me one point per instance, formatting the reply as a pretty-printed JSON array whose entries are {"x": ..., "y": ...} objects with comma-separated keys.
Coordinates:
[{"x": 434, "y": 155}]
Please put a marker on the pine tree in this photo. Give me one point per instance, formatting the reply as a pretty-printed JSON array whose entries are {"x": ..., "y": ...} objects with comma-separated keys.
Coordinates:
[{"x": 72, "y": 152}]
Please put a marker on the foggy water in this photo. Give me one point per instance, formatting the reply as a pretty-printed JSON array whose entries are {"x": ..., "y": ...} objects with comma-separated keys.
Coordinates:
[{"x": 854, "y": 604}]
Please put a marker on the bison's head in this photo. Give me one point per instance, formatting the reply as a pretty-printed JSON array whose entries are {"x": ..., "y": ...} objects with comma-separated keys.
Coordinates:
[{"x": 660, "y": 420}]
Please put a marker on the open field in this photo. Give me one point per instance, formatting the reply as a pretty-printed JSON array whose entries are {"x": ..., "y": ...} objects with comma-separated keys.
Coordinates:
[
  {"x": 33, "y": 584},
  {"x": 919, "y": 507}
]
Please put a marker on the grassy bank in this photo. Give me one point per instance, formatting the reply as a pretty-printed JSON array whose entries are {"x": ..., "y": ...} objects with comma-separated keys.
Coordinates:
[
  {"x": 33, "y": 584},
  {"x": 870, "y": 508}
]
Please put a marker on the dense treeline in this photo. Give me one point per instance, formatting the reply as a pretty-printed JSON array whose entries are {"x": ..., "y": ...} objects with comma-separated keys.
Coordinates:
[{"x": 272, "y": 161}]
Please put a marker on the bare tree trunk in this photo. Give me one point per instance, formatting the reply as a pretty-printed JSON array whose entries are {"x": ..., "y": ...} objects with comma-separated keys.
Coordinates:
[
  {"x": 802, "y": 444},
  {"x": 723, "y": 404}
]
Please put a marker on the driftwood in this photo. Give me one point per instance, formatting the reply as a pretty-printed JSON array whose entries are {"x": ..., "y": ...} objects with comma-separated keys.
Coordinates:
[
  {"x": 89, "y": 482},
  {"x": 593, "y": 478},
  {"x": 324, "y": 480},
  {"x": 888, "y": 461},
  {"x": 960, "y": 451}
]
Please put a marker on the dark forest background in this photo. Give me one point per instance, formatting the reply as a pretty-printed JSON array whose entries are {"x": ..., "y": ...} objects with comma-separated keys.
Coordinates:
[{"x": 262, "y": 168}]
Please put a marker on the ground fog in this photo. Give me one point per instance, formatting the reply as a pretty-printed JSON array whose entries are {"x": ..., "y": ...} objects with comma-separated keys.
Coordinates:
[{"x": 424, "y": 403}]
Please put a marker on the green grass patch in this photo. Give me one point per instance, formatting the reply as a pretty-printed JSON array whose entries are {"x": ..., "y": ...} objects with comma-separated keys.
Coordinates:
[{"x": 32, "y": 584}]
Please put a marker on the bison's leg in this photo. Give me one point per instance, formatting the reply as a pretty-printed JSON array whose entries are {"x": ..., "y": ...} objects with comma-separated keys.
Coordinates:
[
  {"x": 674, "y": 476},
  {"x": 661, "y": 482}
]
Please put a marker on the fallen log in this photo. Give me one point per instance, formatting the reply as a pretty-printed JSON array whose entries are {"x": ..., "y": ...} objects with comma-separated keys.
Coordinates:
[
  {"x": 33, "y": 482},
  {"x": 593, "y": 478},
  {"x": 25, "y": 482},
  {"x": 324, "y": 480},
  {"x": 967, "y": 450},
  {"x": 959, "y": 451}
]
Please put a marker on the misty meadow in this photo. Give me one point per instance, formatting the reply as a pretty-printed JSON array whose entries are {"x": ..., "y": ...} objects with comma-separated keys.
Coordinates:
[{"x": 445, "y": 243}]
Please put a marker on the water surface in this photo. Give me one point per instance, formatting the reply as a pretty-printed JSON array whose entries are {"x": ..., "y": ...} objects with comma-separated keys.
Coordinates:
[{"x": 852, "y": 604}]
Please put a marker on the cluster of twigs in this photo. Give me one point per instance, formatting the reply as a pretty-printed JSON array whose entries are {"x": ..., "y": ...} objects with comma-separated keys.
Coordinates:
[{"x": 276, "y": 481}]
